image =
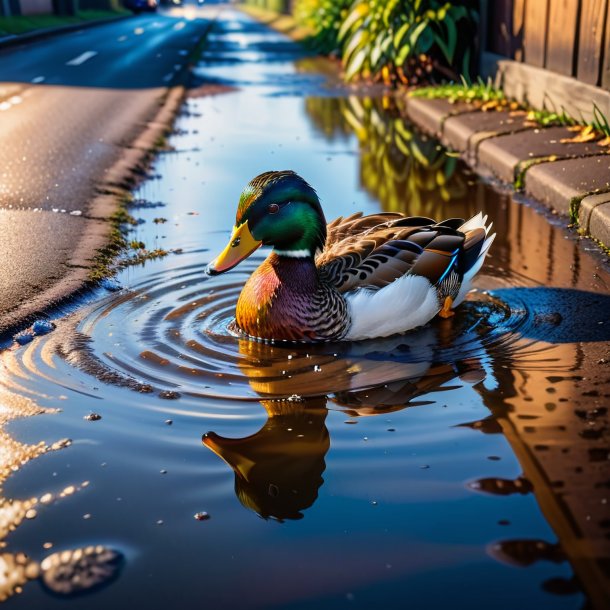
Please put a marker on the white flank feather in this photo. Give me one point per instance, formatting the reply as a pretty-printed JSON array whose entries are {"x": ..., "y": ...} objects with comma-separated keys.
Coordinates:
[
  {"x": 476, "y": 222},
  {"x": 408, "y": 302}
]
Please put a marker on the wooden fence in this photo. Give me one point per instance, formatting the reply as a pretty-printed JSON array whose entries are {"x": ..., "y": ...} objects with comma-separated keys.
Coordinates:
[{"x": 571, "y": 37}]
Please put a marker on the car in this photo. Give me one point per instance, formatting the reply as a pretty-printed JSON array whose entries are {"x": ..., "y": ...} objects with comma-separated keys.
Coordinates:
[{"x": 141, "y": 6}]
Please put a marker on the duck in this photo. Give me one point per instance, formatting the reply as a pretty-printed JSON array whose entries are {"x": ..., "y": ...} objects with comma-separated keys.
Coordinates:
[{"x": 358, "y": 277}]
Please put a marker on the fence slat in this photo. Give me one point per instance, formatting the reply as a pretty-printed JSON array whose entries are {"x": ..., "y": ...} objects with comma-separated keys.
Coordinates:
[
  {"x": 536, "y": 12},
  {"x": 605, "y": 78},
  {"x": 590, "y": 40},
  {"x": 561, "y": 39},
  {"x": 517, "y": 33}
]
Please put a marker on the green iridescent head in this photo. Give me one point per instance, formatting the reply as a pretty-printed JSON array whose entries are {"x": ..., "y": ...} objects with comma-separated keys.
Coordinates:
[
  {"x": 283, "y": 210},
  {"x": 276, "y": 209}
]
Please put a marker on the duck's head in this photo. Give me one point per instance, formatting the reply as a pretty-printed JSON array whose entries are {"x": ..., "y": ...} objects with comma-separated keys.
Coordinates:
[{"x": 277, "y": 209}]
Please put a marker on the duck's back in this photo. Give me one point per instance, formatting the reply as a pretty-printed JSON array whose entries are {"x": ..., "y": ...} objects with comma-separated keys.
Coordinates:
[{"x": 396, "y": 272}]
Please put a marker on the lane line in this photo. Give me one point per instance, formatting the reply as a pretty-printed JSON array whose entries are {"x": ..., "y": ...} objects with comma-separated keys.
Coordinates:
[{"x": 82, "y": 58}]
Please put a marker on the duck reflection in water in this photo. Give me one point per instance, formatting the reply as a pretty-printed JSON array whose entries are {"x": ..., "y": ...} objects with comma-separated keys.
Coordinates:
[{"x": 278, "y": 470}]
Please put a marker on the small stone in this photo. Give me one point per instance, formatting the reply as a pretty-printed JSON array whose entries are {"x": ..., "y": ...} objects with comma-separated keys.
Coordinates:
[
  {"x": 73, "y": 571},
  {"x": 169, "y": 394},
  {"x": 23, "y": 337},
  {"x": 42, "y": 327},
  {"x": 31, "y": 514},
  {"x": 92, "y": 417}
]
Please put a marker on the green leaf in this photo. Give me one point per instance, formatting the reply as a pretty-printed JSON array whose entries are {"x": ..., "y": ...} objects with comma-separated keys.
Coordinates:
[
  {"x": 387, "y": 13},
  {"x": 355, "y": 64},
  {"x": 424, "y": 41},
  {"x": 357, "y": 14},
  {"x": 357, "y": 41},
  {"x": 398, "y": 37}
]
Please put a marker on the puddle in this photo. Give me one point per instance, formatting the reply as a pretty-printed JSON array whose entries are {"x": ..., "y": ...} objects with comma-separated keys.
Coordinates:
[{"x": 458, "y": 454}]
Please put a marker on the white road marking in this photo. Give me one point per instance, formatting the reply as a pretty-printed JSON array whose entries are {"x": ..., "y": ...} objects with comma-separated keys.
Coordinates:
[
  {"x": 38, "y": 79},
  {"x": 82, "y": 58}
]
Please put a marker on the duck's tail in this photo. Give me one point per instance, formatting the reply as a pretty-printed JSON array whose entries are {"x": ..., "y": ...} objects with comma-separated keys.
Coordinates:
[{"x": 476, "y": 246}]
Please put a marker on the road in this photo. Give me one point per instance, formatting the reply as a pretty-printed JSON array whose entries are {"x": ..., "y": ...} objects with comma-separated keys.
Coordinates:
[{"x": 69, "y": 106}]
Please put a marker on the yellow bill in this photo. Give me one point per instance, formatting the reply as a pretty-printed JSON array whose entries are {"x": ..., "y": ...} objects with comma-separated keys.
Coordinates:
[{"x": 240, "y": 246}]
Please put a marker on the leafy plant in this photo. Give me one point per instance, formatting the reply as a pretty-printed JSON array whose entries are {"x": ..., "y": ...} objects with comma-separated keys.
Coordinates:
[
  {"x": 380, "y": 37},
  {"x": 324, "y": 17}
]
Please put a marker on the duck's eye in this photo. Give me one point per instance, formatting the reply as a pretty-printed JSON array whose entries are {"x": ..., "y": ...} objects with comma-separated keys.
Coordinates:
[
  {"x": 273, "y": 208},
  {"x": 235, "y": 242}
]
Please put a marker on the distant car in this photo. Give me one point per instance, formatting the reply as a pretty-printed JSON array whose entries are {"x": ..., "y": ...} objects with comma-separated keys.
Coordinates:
[{"x": 141, "y": 6}]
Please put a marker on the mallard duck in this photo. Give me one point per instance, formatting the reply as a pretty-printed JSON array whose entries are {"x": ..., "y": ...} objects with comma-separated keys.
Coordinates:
[{"x": 356, "y": 278}]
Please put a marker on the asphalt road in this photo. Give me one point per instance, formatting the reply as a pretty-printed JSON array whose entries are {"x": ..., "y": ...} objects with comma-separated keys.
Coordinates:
[{"x": 69, "y": 105}]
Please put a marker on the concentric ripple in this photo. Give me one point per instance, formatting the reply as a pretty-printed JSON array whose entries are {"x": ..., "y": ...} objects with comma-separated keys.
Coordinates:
[{"x": 172, "y": 335}]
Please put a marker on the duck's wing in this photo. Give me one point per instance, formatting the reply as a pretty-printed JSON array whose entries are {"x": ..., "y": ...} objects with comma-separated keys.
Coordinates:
[{"x": 375, "y": 250}]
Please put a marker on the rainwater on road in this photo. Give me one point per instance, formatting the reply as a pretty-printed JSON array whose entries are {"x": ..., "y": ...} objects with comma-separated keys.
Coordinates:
[{"x": 464, "y": 463}]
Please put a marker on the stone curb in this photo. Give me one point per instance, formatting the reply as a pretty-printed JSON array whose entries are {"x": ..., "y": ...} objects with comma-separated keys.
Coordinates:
[
  {"x": 27, "y": 37},
  {"x": 549, "y": 174}
]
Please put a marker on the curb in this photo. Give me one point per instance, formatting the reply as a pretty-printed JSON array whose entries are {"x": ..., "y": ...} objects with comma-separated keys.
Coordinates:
[
  {"x": 15, "y": 40},
  {"x": 546, "y": 173}
]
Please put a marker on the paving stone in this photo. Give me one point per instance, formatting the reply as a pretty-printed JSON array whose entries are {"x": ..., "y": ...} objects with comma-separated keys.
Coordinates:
[
  {"x": 599, "y": 224},
  {"x": 502, "y": 154},
  {"x": 587, "y": 205},
  {"x": 429, "y": 115},
  {"x": 556, "y": 184},
  {"x": 459, "y": 131}
]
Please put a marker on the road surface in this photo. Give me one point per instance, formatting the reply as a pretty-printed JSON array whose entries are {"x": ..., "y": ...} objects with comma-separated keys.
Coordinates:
[{"x": 69, "y": 105}]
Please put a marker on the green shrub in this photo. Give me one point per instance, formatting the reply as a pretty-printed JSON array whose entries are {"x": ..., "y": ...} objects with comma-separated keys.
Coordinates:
[
  {"x": 389, "y": 39},
  {"x": 325, "y": 18}
]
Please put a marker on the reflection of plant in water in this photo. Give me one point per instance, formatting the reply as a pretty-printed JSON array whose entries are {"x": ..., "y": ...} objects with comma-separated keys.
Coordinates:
[{"x": 406, "y": 171}]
